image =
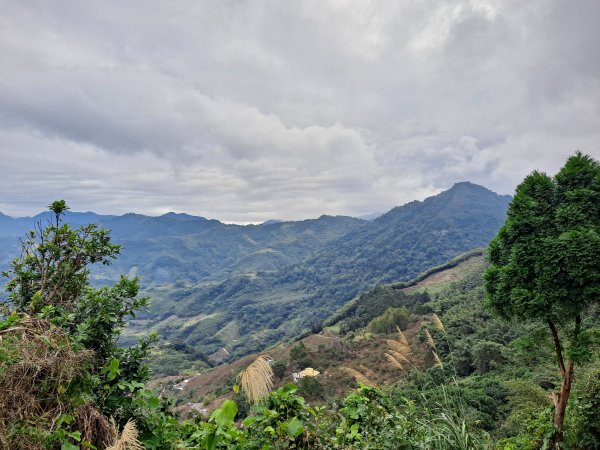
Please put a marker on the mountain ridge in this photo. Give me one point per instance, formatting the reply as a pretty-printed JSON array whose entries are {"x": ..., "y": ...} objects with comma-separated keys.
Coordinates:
[
  {"x": 265, "y": 307},
  {"x": 240, "y": 287}
]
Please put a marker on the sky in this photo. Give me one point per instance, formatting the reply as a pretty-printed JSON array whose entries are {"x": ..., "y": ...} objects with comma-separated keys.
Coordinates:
[{"x": 245, "y": 111}]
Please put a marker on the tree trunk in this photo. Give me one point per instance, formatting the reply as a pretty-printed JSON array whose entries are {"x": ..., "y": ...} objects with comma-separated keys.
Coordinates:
[
  {"x": 562, "y": 398},
  {"x": 561, "y": 405}
]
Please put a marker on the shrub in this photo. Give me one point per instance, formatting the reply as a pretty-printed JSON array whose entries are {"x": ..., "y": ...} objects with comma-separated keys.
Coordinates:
[{"x": 388, "y": 321}]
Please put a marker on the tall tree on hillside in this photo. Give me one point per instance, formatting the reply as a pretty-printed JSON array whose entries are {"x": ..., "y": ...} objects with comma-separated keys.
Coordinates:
[{"x": 545, "y": 263}]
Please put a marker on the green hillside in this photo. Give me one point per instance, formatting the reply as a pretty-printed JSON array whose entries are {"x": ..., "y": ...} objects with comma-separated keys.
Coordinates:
[
  {"x": 265, "y": 307},
  {"x": 178, "y": 248},
  {"x": 230, "y": 290},
  {"x": 431, "y": 360},
  {"x": 497, "y": 376}
]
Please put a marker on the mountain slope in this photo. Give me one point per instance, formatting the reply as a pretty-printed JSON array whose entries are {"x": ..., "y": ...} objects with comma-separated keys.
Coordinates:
[
  {"x": 266, "y": 307},
  {"x": 356, "y": 352},
  {"x": 182, "y": 248}
]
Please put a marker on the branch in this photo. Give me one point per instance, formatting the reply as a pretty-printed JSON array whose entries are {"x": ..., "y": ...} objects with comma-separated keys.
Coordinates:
[{"x": 559, "y": 356}]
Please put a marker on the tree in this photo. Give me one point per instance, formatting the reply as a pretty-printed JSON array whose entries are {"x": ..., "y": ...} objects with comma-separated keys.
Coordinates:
[
  {"x": 545, "y": 263},
  {"x": 49, "y": 289},
  {"x": 54, "y": 265},
  {"x": 389, "y": 320}
]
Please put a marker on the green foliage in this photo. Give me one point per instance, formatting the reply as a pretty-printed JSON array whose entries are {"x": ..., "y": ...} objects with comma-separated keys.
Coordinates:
[
  {"x": 389, "y": 320},
  {"x": 89, "y": 375},
  {"x": 279, "y": 368},
  {"x": 372, "y": 304},
  {"x": 283, "y": 421},
  {"x": 298, "y": 352},
  {"x": 545, "y": 263},
  {"x": 586, "y": 420},
  {"x": 487, "y": 356},
  {"x": 53, "y": 270},
  {"x": 311, "y": 388},
  {"x": 526, "y": 400},
  {"x": 537, "y": 432},
  {"x": 220, "y": 430}
]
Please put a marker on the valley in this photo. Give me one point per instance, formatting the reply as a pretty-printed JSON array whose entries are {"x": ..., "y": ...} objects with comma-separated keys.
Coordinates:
[
  {"x": 359, "y": 332},
  {"x": 220, "y": 291}
]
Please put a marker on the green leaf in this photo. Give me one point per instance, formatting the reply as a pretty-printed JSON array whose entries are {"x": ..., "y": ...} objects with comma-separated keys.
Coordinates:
[
  {"x": 65, "y": 418},
  {"x": 68, "y": 446},
  {"x": 225, "y": 414},
  {"x": 248, "y": 421},
  {"x": 354, "y": 434},
  {"x": 147, "y": 393},
  {"x": 75, "y": 435},
  {"x": 153, "y": 402},
  {"x": 211, "y": 441},
  {"x": 294, "y": 427}
]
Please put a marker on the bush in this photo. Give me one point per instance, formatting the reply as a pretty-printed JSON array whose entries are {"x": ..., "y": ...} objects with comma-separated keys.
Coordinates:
[
  {"x": 311, "y": 387},
  {"x": 388, "y": 321}
]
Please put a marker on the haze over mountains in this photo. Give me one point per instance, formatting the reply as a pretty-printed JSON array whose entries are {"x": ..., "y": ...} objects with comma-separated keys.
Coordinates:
[
  {"x": 241, "y": 288},
  {"x": 179, "y": 247}
]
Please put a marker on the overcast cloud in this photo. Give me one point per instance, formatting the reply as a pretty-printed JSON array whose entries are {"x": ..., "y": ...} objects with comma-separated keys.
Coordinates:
[{"x": 249, "y": 110}]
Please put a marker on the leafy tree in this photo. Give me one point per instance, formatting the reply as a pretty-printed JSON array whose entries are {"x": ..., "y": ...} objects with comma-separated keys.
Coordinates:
[
  {"x": 487, "y": 355},
  {"x": 389, "y": 320},
  {"x": 53, "y": 269},
  {"x": 49, "y": 283},
  {"x": 298, "y": 352},
  {"x": 545, "y": 262}
]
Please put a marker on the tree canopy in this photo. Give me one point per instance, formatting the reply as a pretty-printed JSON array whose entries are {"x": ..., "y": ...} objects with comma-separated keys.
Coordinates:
[
  {"x": 545, "y": 261},
  {"x": 546, "y": 258}
]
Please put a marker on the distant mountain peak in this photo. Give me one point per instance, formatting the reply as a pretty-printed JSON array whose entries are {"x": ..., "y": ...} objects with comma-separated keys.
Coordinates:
[
  {"x": 370, "y": 217},
  {"x": 469, "y": 186},
  {"x": 181, "y": 216},
  {"x": 466, "y": 183},
  {"x": 271, "y": 221}
]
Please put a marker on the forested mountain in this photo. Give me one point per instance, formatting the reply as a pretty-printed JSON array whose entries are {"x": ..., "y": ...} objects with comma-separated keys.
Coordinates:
[
  {"x": 248, "y": 312},
  {"x": 181, "y": 248},
  {"x": 216, "y": 286},
  {"x": 490, "y": 372}
]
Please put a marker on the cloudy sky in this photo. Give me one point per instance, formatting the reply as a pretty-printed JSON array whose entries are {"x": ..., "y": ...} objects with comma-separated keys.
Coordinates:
[{"x": 249, "y": 110}]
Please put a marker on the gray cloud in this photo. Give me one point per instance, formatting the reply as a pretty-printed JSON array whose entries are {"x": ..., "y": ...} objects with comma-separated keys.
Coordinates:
[{"x": 245, "y": 111}]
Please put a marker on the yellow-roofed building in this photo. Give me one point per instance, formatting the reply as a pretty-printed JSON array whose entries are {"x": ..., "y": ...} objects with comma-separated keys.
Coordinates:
[{"x": 309, "y": 372}]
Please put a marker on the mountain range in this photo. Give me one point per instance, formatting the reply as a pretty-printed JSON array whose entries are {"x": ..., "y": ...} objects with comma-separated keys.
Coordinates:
[{"x": 231, "y": 290}]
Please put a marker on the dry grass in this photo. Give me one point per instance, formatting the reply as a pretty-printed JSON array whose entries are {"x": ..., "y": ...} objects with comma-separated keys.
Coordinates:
[
  {"x": 438, "y": 323},
  {"x": 127, "y": 440},
  {"x": 365, "y": 370},
  {"x": 257, "y": 380},
  {"x": 94, "y": 427},
  {"x": 430, "y": 340},
  {"x": 402, "y": 338},
  {"x": 401, "y": 348},
  {"x": 359, "y": 377},
  {"x": 438, "y": 361},
  {"x": 400, "y": 351},
  {"x": 393, "y": 361},
  {"x": 38, "y": 365},
  {"x": 400, "y": 357}
]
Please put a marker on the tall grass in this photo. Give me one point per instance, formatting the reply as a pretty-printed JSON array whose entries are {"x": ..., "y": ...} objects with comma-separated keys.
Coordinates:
[
  {"x": 257, "y": 380},
  {"x": 359, "y": 377},
  {"x": 127, "y": 440},
  {"x": 449, "y": 433}
]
